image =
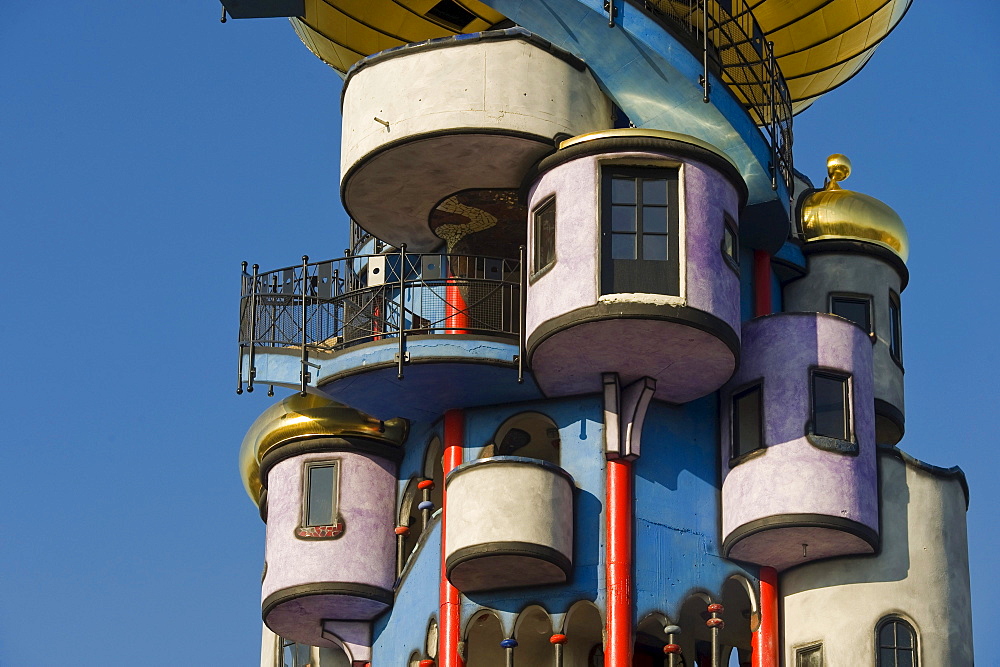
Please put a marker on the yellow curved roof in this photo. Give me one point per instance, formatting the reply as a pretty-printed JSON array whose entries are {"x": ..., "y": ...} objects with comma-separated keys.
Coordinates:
[
  {"x": 341, "y": 32},
  {"x": 300, "y": 417},
  {"x": 835, "y": 213},
  {"x": 820, "y": 44}
]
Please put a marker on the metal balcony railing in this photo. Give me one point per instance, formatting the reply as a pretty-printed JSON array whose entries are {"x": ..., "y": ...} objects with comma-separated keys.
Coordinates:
[
  {"x": 332, "y": 305},
  {"x": 732, "y": 45}
]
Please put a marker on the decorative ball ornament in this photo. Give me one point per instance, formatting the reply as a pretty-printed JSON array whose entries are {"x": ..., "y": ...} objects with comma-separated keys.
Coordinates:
[
  {"x": 715, "y": 623},
  {"x": 425, "y": 505},
  {"x": 402, "y": 530},
  {"x": 672, "y": 630},
  {"x": 672, "y": 648},
  {"x": 426, "y": 663},
  {"x": 509, "y": 643},
  {"x": 716, "y": 608},
  {"x": 557, "y": 639},
  {"x": 838, "y": 167},
  {"x": 426, "y": 484}
]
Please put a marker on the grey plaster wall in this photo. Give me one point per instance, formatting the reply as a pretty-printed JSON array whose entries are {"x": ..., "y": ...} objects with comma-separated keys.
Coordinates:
[
  {"x": 498, "y": 501},
  {"x": 921, "y": 574},
  {"x": 862, "y": 275}
]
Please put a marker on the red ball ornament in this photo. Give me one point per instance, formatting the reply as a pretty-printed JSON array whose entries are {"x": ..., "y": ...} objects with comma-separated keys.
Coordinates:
[
  {"x": 426, "y": 484},
  {"x": 426, "y": 663},
  {"x": 402, "y": 530},
  {"x": 672, "y": 648},
  {"x": 715, "y": 623},
  {"x": 716, "y": 608},
  {"x": 557, "y": 639}
]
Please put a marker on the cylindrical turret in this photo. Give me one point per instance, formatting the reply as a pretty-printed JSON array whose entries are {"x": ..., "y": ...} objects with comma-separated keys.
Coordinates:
[
  {"x": 324, "y": 476},
  {"x": 856, "y": 248},
  {"x": 633, "y": 242},
  {"x": 798, "y": 436}
]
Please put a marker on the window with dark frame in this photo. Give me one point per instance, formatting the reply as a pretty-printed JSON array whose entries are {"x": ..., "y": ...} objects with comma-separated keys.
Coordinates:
[
  {"x": 895, "y": 329},
  {"x": 854, "y": 308},
  {"x": 831, "y": 405},
  {"x": 809, "y": 656},
  {"x": 747, "y": 421},
  {"x": 896, "y": 642},
  {"x": 321, "y": 494},
  {"x": 544, "y": 236},
  {"x": 731, "y": 243},
  {"x": 293, "y": 655},
  {"x": 640, "y": 230},
  {"x": 451, "y": 14}
]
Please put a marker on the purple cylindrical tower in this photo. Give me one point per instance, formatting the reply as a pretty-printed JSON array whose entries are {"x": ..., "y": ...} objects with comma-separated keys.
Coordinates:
[
  {"x": 798, "y": 436},
  {"x": 634, "y": 267},
  {"x": 326, "y": 488}
]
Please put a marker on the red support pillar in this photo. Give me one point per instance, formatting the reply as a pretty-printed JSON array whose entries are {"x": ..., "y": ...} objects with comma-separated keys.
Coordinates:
[
  {"x": 449, "y": 614},
  {"x": 762, "y": 284},
  {"x": 456, "y": 316},
  {"x": 765, "y": 639},
  {"x": 618, "y": 651}
]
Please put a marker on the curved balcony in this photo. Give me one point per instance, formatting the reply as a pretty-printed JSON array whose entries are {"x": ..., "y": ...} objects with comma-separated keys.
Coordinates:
[
  {"x": 449, "y": 324},
  {"x": 426, "y": 121},
  {"x": 495, "y": 538}
]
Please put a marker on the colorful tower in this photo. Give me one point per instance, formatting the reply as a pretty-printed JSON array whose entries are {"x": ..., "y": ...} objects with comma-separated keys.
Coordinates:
[{"x": 601, "y": 380}]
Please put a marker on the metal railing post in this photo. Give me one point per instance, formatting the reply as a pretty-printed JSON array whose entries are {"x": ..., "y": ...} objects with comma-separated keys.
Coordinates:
[
  {"x": 523, "y": 310},
  {"x": 252, "y": 370},
  {"x": 243, "y": 295},
  {"x": 305, "y": 374},
  {"x": 704, "y": 50},
  {"x": 715, "y": 624},
  {"x": 772, "y": 70},
  {"x": 402, "y": 311}
]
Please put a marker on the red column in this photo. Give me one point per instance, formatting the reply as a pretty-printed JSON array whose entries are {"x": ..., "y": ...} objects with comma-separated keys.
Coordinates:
[
  {"x": 449, "y": 618},
  {"x": 765, "y": 639},
  {"x": 456, "y": 316},
  {"x": 618, "y": 651},
  {"x": 761, "y": 284}
]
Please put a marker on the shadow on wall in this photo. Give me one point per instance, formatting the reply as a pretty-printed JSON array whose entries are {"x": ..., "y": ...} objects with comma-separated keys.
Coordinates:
[{"x": 892, "y": 563}]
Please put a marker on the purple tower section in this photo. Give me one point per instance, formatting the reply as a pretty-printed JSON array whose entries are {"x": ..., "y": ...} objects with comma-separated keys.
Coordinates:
[
  {"x": 341, "y": 572},
  {"x": 580, "y": 324},
  {"x": 795, "y": 495}
]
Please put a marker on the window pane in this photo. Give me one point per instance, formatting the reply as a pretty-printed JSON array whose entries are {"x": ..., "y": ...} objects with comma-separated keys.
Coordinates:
[
  {"x": 886, "y": 657},
  {"x": 654, "y": 219},
  {"x": 830, "y": 406},
  {"x": 322, "y": 489},
  {"x": 729, "y": 244},
  {"x": 623, "y": 246},
  {"x": 654, "y": 191},
  {"x": 623, "y": 191},
  {"x": 746, "y": 422},
  {"x": 855, "y": 310},
  {"x": 903, "y": 637},
  {"x": 895, "y": 331},
  {"x": 810, "y": 657},
  {"x": 654, "y": 247},
  {"x": 623, "y": 218},
  {"x": 545, "y": 236},
  {"x": 886, "y": 635},
  {"x": 904, "y": 658}
]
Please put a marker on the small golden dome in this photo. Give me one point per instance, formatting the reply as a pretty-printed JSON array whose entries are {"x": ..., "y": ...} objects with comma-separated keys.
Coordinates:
[
  {"x": 836, "y": 213},
  {"x": 301, "y": 417}
]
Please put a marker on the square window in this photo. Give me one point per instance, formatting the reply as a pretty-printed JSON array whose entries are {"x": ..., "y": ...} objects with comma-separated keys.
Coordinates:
[
  {"x": 545, "y": 235},
  {"x": 730, "y": 244},
  {"x": 855, "y": 309},
  {"x": 831, "y": 405},
  {"x": 321, "y": 494},
  {"x": 747, "y": 421}
]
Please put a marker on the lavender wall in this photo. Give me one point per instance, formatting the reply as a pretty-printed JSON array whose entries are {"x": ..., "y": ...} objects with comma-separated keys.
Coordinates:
[
  {"x": 711, "y": 286},
  {"x": 791, "y": 475},
  {"x": 364, "y": 553}
]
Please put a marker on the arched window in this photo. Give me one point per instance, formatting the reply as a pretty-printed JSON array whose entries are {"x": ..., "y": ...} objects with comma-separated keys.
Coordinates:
[
  {"x": 895, "y": 643},
  {"x": 529, "y": 434}
]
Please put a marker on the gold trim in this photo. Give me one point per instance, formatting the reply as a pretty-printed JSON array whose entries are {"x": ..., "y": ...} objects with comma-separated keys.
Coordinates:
[{"x": 638, "y": 132}]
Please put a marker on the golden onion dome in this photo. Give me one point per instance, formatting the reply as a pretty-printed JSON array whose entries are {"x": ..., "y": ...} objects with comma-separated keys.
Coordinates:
[
  {"x": 836, "y": 213},
  {"x": 299, "y": 418}
]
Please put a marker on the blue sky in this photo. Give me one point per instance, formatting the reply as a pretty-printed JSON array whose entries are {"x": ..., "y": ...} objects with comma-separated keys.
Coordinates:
[{"x": 145, "y": 150}]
